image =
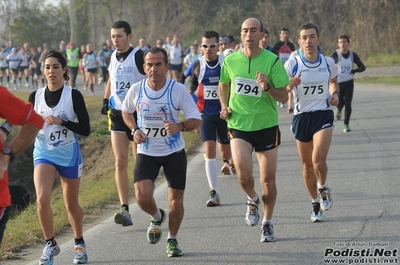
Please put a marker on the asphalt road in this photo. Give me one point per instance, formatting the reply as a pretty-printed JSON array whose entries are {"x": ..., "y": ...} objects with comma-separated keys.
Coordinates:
[{"x": 364, "y": 178}]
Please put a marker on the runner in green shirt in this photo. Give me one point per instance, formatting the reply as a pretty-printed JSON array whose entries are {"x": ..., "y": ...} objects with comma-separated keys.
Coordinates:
[
  {"x": 73, "y": 56},
  {"x": 257, "y": 80},
  {"x": 252, "y": 110}
]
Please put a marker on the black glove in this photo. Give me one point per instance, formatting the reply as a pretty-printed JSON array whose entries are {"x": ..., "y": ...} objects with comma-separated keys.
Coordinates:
[
  {"x": 104, "y": 108},
  {"x": 353, "y": 71}
]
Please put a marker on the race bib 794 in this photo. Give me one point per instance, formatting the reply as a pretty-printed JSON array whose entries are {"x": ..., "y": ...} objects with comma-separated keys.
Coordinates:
[{"x": 247, "y": 87}]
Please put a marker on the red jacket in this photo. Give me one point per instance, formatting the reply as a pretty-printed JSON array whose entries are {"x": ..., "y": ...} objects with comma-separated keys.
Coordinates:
[{"x": 17, "y": 112}]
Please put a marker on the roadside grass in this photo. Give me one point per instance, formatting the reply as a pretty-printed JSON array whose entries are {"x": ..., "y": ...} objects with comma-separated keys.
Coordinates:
[
  {"x": 381, "y": 59},
  {"x": 97, "y": 189},
  {"x": 376, "y": 60},
  {"x": 388, "y": 80}
]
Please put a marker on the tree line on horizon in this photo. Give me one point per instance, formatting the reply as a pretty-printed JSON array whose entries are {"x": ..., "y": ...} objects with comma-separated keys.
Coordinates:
[{"x": 371, "y": 25}]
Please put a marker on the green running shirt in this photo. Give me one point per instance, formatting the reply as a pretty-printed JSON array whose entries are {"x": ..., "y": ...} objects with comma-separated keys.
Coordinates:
[
  {"x": 73, "y": 57},
  {"x": 252, "y": 108}
]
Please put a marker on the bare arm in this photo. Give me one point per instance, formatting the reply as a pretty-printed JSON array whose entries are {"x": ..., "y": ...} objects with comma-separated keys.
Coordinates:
[
  {"x": 138, "y": 136},
  {"x": 18, "y": 144},
  {"x": 129, "y": 120},
  {"x": 190, "y": 124},
  {"x": 223, "y": 93},
  {"x": 334, "y": 90},
  {"x": 279, "y": 94},
  {"x": 184, "y": 126},
  {"x": 24, "y": 138}
]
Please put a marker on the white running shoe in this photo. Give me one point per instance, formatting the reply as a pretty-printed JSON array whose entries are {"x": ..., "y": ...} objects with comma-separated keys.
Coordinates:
[
  {"x": 326, "y": 199},
  {"x": 267, "y": 233},
  {"x": 123, "y": 217},
  {"x": 154, "y": 232},
  {"x": 81, "y": 256},
  {"x": 213, "y": 199},
  {"x": 49, "y": 252},
  {"x": 252, "y": 215},
  {"x": 316, "y": 214}
]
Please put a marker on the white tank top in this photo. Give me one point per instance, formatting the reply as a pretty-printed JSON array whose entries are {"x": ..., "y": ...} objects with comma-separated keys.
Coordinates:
[
  {"x": 55, "y": 142},
  {"x": 203, "y": 65},
  {"x": 24, "y": 62},
  {"x": 4, "y": 62},
  {"x": 13, "y": 60},
  {"x": 313, "y": 92},
  {"x": 175, "y": 55},
  {"x": 153, "y": 108},
  {"x": 122, "y": 76},
  {"x": 344, "y": 67},
  {"x": 90, "y": 60}
]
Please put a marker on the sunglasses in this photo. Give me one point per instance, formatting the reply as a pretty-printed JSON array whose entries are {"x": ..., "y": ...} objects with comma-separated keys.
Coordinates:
[{"x": 212, "y": 45}]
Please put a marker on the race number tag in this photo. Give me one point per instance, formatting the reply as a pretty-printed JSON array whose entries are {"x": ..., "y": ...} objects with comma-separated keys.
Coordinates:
[
  {"x": 247, "y": 87},
  {"x": 313, "y": 90},
  {"x": 154, "y": 129},
  {"x": 210, "y": 92},
  {"x": 122, "y": 83},
  {"x": 345, "y": 68},
  {"x": 58, "y": 136},
  {"x": 284, "y": 57}
]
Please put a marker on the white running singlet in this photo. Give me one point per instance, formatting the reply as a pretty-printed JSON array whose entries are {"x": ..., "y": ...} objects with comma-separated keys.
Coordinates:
[
  {"x": 313, "y": 92},
  {"x": 56, "y": 143},
  {"x": 344, "y": 67},
  {"x": 122, "y": 76},
  {"x": 153, "y": 108}
]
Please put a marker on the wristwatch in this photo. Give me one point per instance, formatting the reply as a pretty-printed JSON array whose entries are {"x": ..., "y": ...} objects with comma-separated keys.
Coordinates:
[
  {"x": 64, "y": 121},
  {"x": 134, "y": 130},
  {"x": 6, "y": 127},
  {"x": 8, "y": 151}
]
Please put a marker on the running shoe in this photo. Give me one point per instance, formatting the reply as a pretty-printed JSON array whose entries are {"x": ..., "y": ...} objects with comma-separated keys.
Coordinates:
[
  {"x": 316, "y": 214},
  {"x": 226, "y": 170},
  {"x": 338, "y": 114},
  {"x": 81, "y": 256},
  {"x": 326, "y": 198},
  {"x": 123, "y": 217},
  {"x": 346, "y": 128},
  {"x": 26, "y": 85},
  {"x": 49, "y": 252},
  {"x": 154, "y": 232},
  {"x": 267, "y": 233},
  {"x": 173, "y": 250},
  {"x": 213, "y": 199},
  {"x": 281, "y": 105},
  {"x": 233, "y": 169},
  {"x": 84, "y": 88},
  {"x": 252, "y": 215}
]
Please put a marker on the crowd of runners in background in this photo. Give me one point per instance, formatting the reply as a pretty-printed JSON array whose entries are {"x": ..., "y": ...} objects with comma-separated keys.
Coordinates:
[{"x": 22, "y": 65}]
